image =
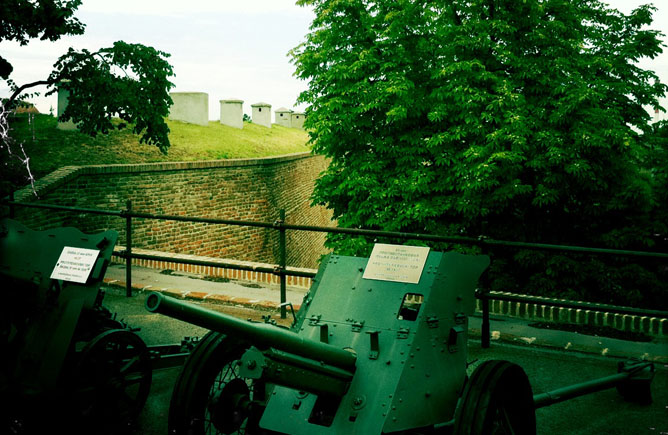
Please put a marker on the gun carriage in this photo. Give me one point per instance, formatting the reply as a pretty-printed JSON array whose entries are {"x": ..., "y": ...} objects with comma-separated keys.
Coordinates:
[
  {"x": 67, "y": 360},
  {"x": 378, "y": 346}
]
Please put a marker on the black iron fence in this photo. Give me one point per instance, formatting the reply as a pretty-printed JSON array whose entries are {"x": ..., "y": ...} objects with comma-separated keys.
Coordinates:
[{"x": 282, "y": 271}]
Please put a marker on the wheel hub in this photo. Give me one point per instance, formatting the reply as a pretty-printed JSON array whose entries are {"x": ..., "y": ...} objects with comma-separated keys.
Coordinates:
[{"x": 230, "y": 407}]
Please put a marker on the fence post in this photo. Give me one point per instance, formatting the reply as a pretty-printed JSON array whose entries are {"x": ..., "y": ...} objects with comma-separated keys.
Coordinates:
[
  {"x": 484, "y": 329},
  {"x": 282, "y": 259},
  {"x": 128, "y": 249}
]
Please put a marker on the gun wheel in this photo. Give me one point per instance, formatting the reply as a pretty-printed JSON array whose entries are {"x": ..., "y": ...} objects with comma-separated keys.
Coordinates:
[
  {"x": 209, "y": 395},
  {"x": 497, "y": 400},
  {"x": 113, "y": 377}
]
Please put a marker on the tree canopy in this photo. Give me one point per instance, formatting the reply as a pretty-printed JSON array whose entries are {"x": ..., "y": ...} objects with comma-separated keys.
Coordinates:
[
  {"x": 514, "y": 120},
  {"x": 24, "y": 20},
  {"x": 130, "y": 81}
]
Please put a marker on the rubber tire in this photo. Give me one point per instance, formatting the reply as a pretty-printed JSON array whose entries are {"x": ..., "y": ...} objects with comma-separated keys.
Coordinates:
[
  {"x": 191, "y": 390},
  {"x": 496, "y": 386}
]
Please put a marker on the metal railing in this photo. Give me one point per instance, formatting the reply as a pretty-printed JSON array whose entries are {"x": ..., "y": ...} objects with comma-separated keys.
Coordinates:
[{"x": 282, "y": 271}]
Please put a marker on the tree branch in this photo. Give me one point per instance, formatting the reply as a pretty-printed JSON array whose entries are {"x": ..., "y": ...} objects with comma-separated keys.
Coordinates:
[{"x": 22, "y": 88}]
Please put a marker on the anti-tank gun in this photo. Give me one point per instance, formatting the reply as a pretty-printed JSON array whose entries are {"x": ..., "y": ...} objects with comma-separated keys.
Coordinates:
[
  {"x": 66, "y": 360},
  {"x": 365, "y": 354},
  {"x": 378, "y": 346}
]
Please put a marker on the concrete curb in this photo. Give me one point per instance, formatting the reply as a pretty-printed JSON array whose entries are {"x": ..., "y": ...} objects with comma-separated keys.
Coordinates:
[
  {"x": 215, "y": 271},
  {"x": 201, "y": 296}
]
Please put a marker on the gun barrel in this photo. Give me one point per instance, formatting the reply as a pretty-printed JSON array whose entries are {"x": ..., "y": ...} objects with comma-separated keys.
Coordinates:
[{"x": 258, "y": 334}]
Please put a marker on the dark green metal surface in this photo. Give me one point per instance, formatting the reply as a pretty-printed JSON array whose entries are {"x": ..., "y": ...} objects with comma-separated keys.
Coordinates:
[
  {"x": 261, "y": 334},
  {"x": 299, "y": 373},
  {"x": 43, "y": 313},
  {"x": 65, "y": 356},
  {"x": 635, "y": 376},
  {"x": 370, "y": 355},
  {"x": 409, "y": 372}
]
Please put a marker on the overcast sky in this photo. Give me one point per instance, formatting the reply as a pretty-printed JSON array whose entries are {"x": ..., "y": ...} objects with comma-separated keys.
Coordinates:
[{"x": 228, "y": 49}]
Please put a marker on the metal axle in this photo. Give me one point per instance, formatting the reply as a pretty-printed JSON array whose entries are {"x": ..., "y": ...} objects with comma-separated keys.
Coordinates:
[{"x": 640, "y": 372}]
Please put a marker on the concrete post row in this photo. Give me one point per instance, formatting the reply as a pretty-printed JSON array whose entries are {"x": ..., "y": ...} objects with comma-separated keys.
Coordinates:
[{"x": 193, "y": 107}]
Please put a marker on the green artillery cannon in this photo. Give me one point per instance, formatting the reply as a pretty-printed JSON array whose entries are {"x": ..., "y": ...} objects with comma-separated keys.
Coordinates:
[
  {"x": 65, "y": 358},
  {"x": 378, "y": 346}
]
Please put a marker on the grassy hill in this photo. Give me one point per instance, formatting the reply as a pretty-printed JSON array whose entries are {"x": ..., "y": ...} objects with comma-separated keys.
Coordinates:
[{"x": 50, "y": 148}]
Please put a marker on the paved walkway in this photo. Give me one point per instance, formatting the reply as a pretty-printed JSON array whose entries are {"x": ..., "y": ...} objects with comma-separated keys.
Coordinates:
[
  {"x": 505, "y": 329},
  {"x": 191, "y": 286}
]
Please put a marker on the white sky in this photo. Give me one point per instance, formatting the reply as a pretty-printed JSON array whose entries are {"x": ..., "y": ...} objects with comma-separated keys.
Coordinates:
[{"x": 228, "y": 49}]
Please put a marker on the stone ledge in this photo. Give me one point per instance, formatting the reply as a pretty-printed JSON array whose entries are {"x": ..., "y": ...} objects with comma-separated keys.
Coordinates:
[
  {"x": 64, "y": 174},
  {"x": 652, "y": 326},
  {"x": 213, "y": 298}
]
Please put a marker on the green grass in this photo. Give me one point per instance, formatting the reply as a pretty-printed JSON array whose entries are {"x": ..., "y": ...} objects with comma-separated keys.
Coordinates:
[{"x": 50, "y": 148}]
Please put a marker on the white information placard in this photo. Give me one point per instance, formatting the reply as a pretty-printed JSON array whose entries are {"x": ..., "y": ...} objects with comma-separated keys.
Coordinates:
[
  {"x": 75, "y": 264},
  {"x": 396, "y": 263}
]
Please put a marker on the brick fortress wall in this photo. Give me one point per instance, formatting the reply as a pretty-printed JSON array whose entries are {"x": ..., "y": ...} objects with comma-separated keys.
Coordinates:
[{"x": 236, "y": 189}]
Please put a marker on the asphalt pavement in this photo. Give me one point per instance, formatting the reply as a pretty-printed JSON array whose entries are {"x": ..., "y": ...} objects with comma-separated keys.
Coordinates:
[{"x": 551, "y": 359}]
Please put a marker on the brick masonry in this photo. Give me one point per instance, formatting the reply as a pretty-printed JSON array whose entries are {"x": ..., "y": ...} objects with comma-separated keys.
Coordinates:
[{"x": 235, "y": 189}]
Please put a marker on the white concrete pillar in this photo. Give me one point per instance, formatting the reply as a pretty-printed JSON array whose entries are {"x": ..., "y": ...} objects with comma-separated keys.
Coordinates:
[
  {"x": 297, "y": 120},
  {"x": 261, "y": 114},
  {"x": 191, "y": 107},
  {"x": 232, "y": 113},
  {"x": 63, "y": 99},
  {"x": 283, "y": 117}
]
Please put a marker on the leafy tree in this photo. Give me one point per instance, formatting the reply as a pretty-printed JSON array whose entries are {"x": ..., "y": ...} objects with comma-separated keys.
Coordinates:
[
  {"x": 130, "y": 81},
  {"x": 514, "y": 120},
  {"x": 24, "y": 20},
  {"x": 655, "y": 162}
]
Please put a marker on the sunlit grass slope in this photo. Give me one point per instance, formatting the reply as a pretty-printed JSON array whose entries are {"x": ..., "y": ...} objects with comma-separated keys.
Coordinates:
[{"x": 50, "y": 148}]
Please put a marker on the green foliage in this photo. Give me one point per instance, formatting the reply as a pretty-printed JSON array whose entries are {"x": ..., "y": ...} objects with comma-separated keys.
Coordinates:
[
  {"x": 655, "y": 163},
  {"x": 22, "y": 20},
  {"x": 130, "y": 81},
  {"x": 516, "y": 120}
]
